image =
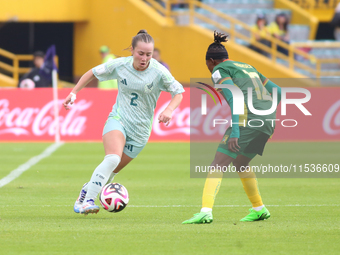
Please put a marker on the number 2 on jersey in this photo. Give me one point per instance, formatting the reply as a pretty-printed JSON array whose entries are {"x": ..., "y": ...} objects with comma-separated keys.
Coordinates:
[
  {"x": 255, "y": 78},
  {"x": 135, "y": 96}
]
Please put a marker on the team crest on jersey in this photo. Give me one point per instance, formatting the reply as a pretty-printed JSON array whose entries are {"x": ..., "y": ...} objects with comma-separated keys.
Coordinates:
[
  {"x": 224, "y": 140},
  {"x": 148, "y": 87}
]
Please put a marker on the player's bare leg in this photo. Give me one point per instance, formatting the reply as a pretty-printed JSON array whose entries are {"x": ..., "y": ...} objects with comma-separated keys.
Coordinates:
[{"x": 123, "y": 163}]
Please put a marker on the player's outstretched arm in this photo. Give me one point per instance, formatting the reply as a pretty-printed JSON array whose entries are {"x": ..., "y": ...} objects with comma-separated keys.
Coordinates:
[
  {"x": 166, "y": 115},
  {"x": 270, "y": 86},
  {"x": 84, "y": 80}
]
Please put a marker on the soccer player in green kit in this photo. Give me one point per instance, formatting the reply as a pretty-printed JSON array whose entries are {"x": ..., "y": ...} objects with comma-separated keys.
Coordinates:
[{"x": 241, "y": 142}]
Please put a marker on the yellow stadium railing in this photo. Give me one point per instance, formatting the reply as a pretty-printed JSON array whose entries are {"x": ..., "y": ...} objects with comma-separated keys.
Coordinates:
[
  {"x": 317, "y": 4},
  {"x": 322, "y": 9},
  {"x": 293, "y": 50},
  {"x": 320, "y": 61},
  {"x": 11, "y": 72}
]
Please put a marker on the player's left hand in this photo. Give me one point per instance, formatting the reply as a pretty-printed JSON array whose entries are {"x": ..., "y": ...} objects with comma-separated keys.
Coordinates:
[
  {"x": 165, "y": 117},
  {"x": 233, "y": 144}
]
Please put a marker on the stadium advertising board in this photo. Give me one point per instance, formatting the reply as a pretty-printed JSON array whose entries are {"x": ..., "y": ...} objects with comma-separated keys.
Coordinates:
[{"x": 27, "y": 115}]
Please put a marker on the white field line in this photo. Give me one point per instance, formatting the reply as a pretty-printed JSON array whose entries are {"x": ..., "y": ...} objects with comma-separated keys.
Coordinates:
[
  {"x": 297, "y": 205},
  {"x": 31, "y": 162},
  {"x": 198, "y": 206}
]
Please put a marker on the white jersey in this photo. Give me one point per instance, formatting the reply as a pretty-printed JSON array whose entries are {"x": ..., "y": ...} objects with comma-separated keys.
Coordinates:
[{"x": 138, "y": 92}]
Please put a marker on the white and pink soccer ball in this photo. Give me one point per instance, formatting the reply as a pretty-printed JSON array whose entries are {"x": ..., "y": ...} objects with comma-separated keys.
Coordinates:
[
  {"x": 27, "y": 84},
  {"x": 114, "y": 197}
]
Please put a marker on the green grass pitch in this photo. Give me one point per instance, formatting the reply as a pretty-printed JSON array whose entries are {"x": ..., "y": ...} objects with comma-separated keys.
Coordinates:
[{"x": 36, "y": 209}]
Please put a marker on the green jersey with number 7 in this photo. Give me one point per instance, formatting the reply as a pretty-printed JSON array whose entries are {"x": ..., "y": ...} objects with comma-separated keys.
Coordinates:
[{"x": 245, "y": 76}]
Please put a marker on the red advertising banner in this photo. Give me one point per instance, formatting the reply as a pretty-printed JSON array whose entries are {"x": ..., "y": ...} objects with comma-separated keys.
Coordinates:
[
  {"x": 28, "y": 115},
  {"x": 322, "y": 125}
]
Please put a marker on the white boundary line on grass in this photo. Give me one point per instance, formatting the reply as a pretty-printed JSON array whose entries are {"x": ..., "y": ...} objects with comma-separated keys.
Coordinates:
[
  {"x": 31, "y": 162},
  {"x": 225, "y": 205},
  {"x": 169, "y": 206}
]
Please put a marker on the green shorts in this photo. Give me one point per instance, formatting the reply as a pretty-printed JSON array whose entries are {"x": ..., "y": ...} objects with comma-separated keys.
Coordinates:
[
  {"x": 251, "y": 142},
  {"x": 131, "y": 148}
]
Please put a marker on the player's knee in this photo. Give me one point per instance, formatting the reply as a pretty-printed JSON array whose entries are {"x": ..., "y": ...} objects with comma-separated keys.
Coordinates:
[
  {"x": 113, "y": 160},
  {"x": 241, "y": 163},
  {"x": 222, "y": 160},
  {"x": 240, "y": 167}
]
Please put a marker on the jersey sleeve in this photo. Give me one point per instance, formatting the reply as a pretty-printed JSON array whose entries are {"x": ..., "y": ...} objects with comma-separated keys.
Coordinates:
[
  {"x": 169, "y": 84},
  {"x": 263, "y": 79},
  {"x": 220, "y": 76},
  {"x": 269, "y": 85},
  {"x": 107, "y": 71},
  {"x": 235, "y": 130}
]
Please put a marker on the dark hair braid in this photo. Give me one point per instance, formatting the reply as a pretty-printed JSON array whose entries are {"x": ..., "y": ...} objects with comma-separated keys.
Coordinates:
[
  {"x": 219, "y": 37},
  {"x": 216, "y": 50}
]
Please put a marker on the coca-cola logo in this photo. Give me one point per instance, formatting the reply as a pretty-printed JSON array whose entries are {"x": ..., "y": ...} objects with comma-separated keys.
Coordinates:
[
  {"x": 41, "y": 121},
  {"x": 189, "y": 120},
  {"x": 204, "y": 123},
  {"x": 331, "y": 121},
  {"x": 180, "y": 122}
]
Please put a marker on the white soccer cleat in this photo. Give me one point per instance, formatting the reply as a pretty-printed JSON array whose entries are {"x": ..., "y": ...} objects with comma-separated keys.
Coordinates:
[
  {"x": 89, "y": 207},
  {"x": 79, "y": 202}
]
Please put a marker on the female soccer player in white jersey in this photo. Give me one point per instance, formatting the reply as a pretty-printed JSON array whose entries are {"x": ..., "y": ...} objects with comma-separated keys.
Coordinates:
[{"x": 141, "y": 79}]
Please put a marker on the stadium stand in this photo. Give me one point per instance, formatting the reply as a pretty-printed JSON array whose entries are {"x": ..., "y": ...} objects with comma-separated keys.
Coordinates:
[{"x": 235, "y": 17}]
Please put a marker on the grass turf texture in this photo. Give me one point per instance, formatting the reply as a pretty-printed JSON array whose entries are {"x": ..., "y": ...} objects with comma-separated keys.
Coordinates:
[{"x": 37, "y": 217}]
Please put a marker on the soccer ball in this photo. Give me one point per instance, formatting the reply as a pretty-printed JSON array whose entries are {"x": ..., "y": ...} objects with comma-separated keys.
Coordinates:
[
  {"x": 27, "y": 84},
  {"x": 114, "y": 197}
]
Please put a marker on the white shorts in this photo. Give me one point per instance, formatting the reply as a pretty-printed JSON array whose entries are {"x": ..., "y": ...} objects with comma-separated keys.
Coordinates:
[{"x": 131, "y": 148}]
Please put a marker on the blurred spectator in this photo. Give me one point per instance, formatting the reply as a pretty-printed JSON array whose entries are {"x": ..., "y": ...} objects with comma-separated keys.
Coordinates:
[
  {"x": 34, "y": 79},
  {"x": 157, "y": 55},
  {"x": 180, "y": 4},
  {"x": 106, "y": 57},
  {"x": 336, "y": 22},
  {"x": 279, "y": 29},
  {"x": 261, "y": 32}
]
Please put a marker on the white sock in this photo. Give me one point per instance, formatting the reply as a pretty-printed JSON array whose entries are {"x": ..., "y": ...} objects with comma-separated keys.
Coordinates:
[
  {"x": 259, "y": 208},
  {"x": 101, "y": 175},
  {"x": 206, "y": 209}
]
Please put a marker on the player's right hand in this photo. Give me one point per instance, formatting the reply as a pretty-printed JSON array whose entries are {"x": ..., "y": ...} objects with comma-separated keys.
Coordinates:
[
  {"x": 233, "y": 144},
  {"x": 69, "y": 101}
]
